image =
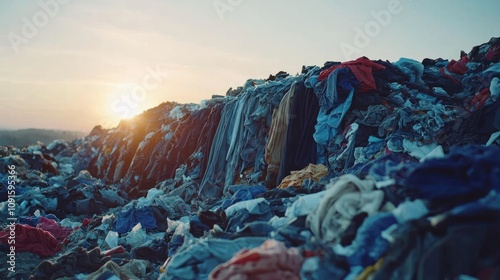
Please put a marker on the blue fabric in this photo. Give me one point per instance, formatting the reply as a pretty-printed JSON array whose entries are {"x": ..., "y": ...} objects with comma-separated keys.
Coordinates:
[
  {"x": 197, "y": 228},
  {"x": 465, "y": 171},
  {"x": 131, "y": 216},
  {"x": 4, "y": 183},
  {"x": 175, "y": 243},
  {"x": 258, "y": 212},
  {"x": 335, "y": 101},
  {"x": 490, "y": 203},
  {"x": 394, "y": 165},
  {"x": 31, "y": 221},
  {"x": 369, "y": 243},
  {"x": 34, "y": 221},
  {"x": 412, "y": 68},
  {"x": 248, "y": 193}
]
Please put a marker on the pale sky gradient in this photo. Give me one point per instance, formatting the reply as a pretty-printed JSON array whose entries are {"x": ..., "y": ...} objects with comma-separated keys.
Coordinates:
[{"x": 72, "y": 72}]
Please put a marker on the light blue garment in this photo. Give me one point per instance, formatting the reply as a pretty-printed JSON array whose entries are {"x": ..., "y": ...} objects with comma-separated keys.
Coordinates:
[
  {"x": 211, "y": 185},
  {"x": 311, "y": 81},
  {"x": 331, "y": 113},
  {"x": 412, "y": 68}
]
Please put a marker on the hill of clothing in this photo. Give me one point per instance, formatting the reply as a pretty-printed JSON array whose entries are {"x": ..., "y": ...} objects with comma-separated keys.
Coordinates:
[{"x": 351, "y": 170}]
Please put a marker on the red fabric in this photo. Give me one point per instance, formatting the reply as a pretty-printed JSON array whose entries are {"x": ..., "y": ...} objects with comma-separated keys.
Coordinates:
[
  {"x": 272, "y": 260},
  {"x": 86, "y": 222},
  {"x": 114, "y": 251},
  {"x": 443, "y": 71},
  {"x": 34, "y": 240},
  {"x": 362, "y": 68},
  {"x": 458, "y": 67},
  {"x": 59, "y": 232},
  {"x": 493, "y": 54},
  {"x": 479, "y": 100}
]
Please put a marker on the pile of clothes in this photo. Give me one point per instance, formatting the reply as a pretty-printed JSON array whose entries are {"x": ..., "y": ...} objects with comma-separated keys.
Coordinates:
[{"x": 356, "y": 170}]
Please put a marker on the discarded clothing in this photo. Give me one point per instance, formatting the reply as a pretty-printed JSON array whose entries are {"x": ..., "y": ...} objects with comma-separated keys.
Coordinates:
[
  {"x": 272, "y": 260},
  {"x": 296, "y": 178},
  {"x": 34, "y": 240}
]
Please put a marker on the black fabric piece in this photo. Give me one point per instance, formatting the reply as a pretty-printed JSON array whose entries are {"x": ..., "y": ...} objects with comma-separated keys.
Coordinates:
[
  {"x": 210, "y": 218},
  {"x": 74, "y": 262},
  {"x": 157, "y": 253},
  {"x": 349, "y": 234},
  {"x": 244, "y": 217},
  {"x": 300, "y": 149},
  {"x": 197, "y": 229}
]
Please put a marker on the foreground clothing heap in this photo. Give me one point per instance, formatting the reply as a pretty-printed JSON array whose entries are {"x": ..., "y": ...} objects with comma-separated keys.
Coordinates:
[{"x": 355, "y": 170}]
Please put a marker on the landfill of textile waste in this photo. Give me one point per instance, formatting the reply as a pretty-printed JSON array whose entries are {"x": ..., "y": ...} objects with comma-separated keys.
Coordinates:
[{"x": 365, "y": 169}]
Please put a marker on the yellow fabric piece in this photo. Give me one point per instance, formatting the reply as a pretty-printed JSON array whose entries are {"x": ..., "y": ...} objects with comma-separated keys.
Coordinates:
[
  {"x": 277, "y": 131},
  {"x": 369, "y": 270},
  {"x": 296, "y": 178}
]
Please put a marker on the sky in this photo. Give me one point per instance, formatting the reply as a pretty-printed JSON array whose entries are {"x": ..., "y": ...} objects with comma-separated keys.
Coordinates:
[{"x": 73, "y": 64}]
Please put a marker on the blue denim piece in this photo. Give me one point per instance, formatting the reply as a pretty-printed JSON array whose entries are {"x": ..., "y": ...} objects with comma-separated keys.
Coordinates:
[
  {"x": 373, "y": 148},
  {"x": 390, "y": 166},
  {"x": 334, "y": 102},
  {"x": 175, "y": 243},
  {"x": 247, "y": 193},
  {"x": 129, "y": 217},
  {"x": 369, "y": 244},
  {"x": 213, "y": 180}
]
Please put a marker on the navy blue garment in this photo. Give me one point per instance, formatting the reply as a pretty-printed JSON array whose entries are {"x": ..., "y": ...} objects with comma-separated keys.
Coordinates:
[
  {"x": 195, "y": 131},
  {"x": 256, "y": 229},
  {"x": 291, "y": 235},
  {"x": 196, "y": 227},
  {"x": 469, "y": 171},
  {"x": 30, "y": 221},
  {"x": 210, "y": 218},
  {"x": 175, "y": 243},
  {"x": 243, "y": 194},
  {"x": 300, "y": 148},
  {"x": 131, "y": 216},
  {"x": 394, "y": 165}
]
